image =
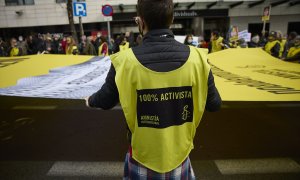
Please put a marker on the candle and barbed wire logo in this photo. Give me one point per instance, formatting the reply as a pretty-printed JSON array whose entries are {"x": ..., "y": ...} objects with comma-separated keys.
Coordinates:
[{"x": 185, "y": 113}]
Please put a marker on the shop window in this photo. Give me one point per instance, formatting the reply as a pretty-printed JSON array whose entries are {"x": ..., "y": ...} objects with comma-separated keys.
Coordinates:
[
  {"x": 294, "y": 26},
  {"x": 256, "y": 28},
  {"x": 18, "y": 2}
]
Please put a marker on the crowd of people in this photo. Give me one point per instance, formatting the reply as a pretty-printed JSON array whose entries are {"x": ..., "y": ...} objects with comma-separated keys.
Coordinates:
[
  {"x": 273, "y": 43},
  {"x": 66, "y": 44}
]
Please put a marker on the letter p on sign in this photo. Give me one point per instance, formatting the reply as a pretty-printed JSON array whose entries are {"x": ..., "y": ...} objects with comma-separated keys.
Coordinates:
[{"x": 79, "y": 9}]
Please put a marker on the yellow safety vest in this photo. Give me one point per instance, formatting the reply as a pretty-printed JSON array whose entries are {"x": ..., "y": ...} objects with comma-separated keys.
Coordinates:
[
  {"x": 124, "y": 47},
  {"x": 270, "y": 45},
  {"x": 215, "y": 45},
  {"x": 282, "y": 45},
  {"x": 101, "y": 48},
  {"x": 293, "y": 51},
  {"x": 14, "y": 52},
  {"x": 162, "y": 109},
  {"x": 69, "y": 51}
]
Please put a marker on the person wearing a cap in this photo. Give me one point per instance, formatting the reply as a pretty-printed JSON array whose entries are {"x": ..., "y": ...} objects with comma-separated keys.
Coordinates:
[{"x": 273, "y": 46}]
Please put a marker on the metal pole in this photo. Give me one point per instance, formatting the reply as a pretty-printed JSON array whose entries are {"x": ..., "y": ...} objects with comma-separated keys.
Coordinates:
[
  {"x": 108, "y": 29},
  {"x": 81, "y": 27},
  {"x": 264, "y": 29}
]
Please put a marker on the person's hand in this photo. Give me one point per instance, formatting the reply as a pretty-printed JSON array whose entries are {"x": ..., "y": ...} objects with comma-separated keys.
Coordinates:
[{"x": 87, "y": 101}]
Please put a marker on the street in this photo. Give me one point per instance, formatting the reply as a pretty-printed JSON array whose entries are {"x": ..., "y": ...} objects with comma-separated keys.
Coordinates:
[{"x": 63, "y": 139}]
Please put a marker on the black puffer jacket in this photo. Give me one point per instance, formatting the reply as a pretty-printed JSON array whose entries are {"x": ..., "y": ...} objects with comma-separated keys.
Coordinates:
[{"x": 159, "y": 52}]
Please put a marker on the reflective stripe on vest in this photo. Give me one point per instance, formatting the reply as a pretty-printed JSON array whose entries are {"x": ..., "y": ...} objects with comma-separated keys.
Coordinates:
[{"x": 162, "y": 109}]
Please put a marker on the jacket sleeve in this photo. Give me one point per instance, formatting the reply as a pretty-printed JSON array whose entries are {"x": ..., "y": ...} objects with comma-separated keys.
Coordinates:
[
  {"x": 213, "y": 100},
  {"x": 108, "y": 96}
]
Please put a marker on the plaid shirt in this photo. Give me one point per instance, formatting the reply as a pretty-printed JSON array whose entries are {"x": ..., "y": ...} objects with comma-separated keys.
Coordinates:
[{"x": 135, "y": 171}]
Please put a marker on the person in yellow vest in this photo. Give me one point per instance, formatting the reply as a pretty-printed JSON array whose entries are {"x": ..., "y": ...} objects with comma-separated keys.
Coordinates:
[
  {"x": 294, "y": 52},
  {"x": 217, "y": 43},
  {"x": 273, "y": 46},
  {"x": 124, "y": 45},
  {"x": 282, "y": 42},
  {"x": 14, "y": 50},
  {"x": 164, "y": 87},
  {"x": 71, "y": 48},
  {"x": 103, "y": 48}
]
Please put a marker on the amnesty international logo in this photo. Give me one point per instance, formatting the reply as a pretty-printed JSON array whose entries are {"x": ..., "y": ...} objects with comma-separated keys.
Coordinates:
[{"x": 185, "y": 113}]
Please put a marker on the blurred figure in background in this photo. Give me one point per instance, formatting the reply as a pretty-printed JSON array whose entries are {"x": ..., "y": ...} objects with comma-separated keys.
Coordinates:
[
  {"x": 130, "y": 38},
  {"x": 294, "y": 52},
  {"x": 22, "y": 44},
  {"x": 103, "y": 48},
  {"x": 71, "y": 48},
  {"x": 282, "y": 42},
  {"x": 202, "y": 43},
  {"x": 97, "y": 42},
  {"x": 124, "y": 44},
  {"x": 241, "y": 43},
  {"x": 86, "y": 47},
  {"x": 188, "y": 40},
  {"x": 3, "y": 48},
  {"x": 48, "y": 45},
  {"x": 64, "y": 44},
  {"x": 254, "y": 43},
  {"x": 13, "y": 50},
  {"x": 55, "y": 44},
  {"x": 139, "y": 40},
  {"x": 217, "y": 43},
  {"x": 273, "y": 46}
]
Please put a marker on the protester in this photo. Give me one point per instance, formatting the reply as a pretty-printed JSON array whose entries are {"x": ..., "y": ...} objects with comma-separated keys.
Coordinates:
[
  {"x": 13, "y": 50},
  {"x": 103, "y": 48},
  {"x": 86, "y": 47},
  {"x": 188, "y": 40},
  {"x": 202, "y": 43},
  {"x": 294, "y": 52},
  {"x": 217, "y": 43},
  {"x": 71, "y": 48},
  {"x": 55, "y": 44},
  {"x": 161, "y": 129},
  {"x": 22, "y": 45},
  {"x": 97, "y": 42},
  {"x": 124, "y": 44},
  {"x": 48, "y": 45},
  {"x": 3, "y": 48},
  {"x": 254, "y": 43},
  {"x": 273, "y": 46},
  {"x": 241, "y": 43},
  {"x": 282, "y": 43}
]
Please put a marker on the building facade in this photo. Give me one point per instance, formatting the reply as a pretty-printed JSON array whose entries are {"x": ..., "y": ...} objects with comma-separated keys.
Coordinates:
[{"x": 198, "y": 17}]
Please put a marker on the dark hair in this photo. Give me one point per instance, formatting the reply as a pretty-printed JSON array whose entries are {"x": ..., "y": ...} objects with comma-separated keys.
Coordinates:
[
  {"x": 103, "y": 39},
  {"x": 158, "y": 14},
  {"x": 186, "y": 39},
  {"x": 216, "y": 33},
  {"x": 293, "y": 35}
]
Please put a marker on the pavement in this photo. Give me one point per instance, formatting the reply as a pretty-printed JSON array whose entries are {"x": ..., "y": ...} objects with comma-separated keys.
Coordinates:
[{"x": 62, "y": 139}]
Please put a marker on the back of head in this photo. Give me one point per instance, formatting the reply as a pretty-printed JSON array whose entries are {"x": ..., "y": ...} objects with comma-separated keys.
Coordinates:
[
  {"x": 216, "y": 33},
  {"x": 157, "y": 14}
]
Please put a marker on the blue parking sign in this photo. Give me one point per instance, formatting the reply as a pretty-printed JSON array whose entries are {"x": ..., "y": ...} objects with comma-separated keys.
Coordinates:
[{"x": 79, "y": 9}]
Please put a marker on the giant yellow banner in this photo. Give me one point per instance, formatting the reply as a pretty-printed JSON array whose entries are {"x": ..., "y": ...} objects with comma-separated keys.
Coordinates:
[
  {"x": 240, "y": 74},
  {"x": 253, "y": 75},
  {"x": 14, "y": 68}
]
